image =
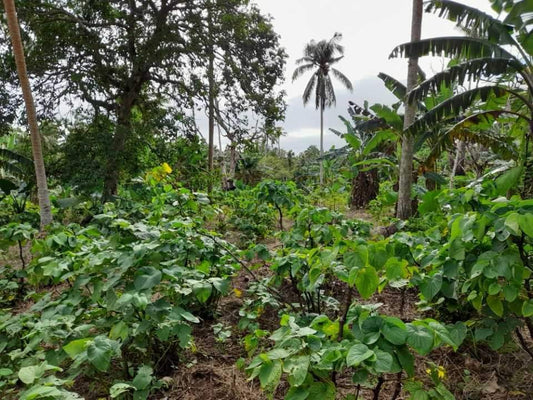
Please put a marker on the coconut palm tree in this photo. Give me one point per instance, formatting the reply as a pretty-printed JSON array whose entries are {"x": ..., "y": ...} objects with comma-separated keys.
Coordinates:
[
  {"x": 320, "y": 56},
  {"x": 40, "y": 174}
]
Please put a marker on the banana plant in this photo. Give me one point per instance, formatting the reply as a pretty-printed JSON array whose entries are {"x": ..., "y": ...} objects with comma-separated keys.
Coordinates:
[
  {"x": 369, "y": 135},
  {"x": 495, "y": 59}
]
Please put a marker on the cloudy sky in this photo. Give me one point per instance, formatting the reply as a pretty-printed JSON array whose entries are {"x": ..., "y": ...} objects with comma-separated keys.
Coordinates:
[{"x": 370, "y": 29}]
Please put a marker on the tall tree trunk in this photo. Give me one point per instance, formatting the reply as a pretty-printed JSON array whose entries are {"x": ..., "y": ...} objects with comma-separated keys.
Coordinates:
[
  {"x": 404, "y": 209},
  {"x": 115, "y": 160},
  {"x": 20, "y": 61},
  {"x": 211, "y": 79},
  {"x": 322, "y": 143}
]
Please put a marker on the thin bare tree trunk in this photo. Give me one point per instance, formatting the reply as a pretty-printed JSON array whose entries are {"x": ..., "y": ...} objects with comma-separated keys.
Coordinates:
[
  {"x": 321, "y": 144},
  {"x": 459, "y": 155},
  {"x": 211, "y": 78},
  {"x": 405, "y": 208},
  {"x": 20, "y": 61}
]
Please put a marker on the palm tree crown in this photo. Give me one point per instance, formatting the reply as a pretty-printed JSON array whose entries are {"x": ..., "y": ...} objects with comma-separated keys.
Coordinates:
[{"x": 322, "y": 55}]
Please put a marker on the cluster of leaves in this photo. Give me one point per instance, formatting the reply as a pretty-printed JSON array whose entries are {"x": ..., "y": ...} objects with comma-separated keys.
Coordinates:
[
  {"x": 476, "y": 264},
  {"x": 326, "y": 261},
  {"x": 134, "y": 280}
]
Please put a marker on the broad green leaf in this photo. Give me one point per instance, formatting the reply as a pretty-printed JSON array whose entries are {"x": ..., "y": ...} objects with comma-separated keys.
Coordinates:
[
  {"x": 100, "y": 352},
  {"x": 366, "y": 281},
  {"x": 203, "y": 291},
  {"x": 76, "y": 347},
  {"x": 143, "y": 378},
  {"x": 322, "y": 391},
  {"x": 526, "y": 224},
  {"x": 420, "y": 339},
  {"x": 527, "y": 308},
  {"x": 397, "y": 335},
  {"x": 29, "y": 374},
  {"x": 357, "y": 354},
  {"x": 119, "y": 331},
  {"x": 298, "y": 372},
  {"x": 496, "y": 305},
  {"x": 457, "y": 250},
  {"x": 270, "y": 374},
  {"x": 395, "y": 268},
  {"x": 407, "y": 360},
  {"x": 5, "y": 372},
  {"x": 384, "y": 361},
  {"x": 512, "y": 223},
  {"x": 508, "y": 180},
  {"x": 430, "y": 286},
  {"x": 510, "y": 293},
  {"x": 41, "y": 392},
  {"x": 119, "y": 388},
  {"x": 147, "y": 278},
  {"x": 297, "y": 393}
]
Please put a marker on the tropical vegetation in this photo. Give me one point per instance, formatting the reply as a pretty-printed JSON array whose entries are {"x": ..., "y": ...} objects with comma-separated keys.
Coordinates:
[{"x": 150, "y": 263}]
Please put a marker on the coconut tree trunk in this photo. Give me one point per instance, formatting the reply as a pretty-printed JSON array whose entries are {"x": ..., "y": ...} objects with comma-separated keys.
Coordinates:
[
  {"x": 322, "y": 143},
  {"x": 20, "y": 61},
  {"x": 404, "y": 209}
]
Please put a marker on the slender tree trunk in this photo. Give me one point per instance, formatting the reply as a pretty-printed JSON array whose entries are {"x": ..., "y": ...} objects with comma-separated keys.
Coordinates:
[
  {"x": 404, "y": 209},
  {"x": 211, "y": 78},
  {"x": 321, "y": 144},
  {"x": 20, "y": 61},
  {"x": 232, "y": 159},
  {"x": 459, "y": 156}
]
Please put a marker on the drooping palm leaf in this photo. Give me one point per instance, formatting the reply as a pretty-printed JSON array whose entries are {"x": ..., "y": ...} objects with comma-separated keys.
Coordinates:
[
  {"x": 470, "y": 70},
  {"x": 342, "y": 78},
  {"x": 302, "y": 69},
  {"x": 452, "y": 47},
  {"x": 474, "y": 21},
  {"x": 309, "y": 89},
  {"x": 454, "y": 106}
]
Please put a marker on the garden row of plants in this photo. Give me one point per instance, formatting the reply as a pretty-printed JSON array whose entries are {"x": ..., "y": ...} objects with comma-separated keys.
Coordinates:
[{"x": 112, "y": 300}]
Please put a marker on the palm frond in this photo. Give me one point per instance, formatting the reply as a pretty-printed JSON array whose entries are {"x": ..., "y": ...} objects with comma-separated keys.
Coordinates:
[
  {"x": 468, "y": 71},
  {"x": 309, "y": 89},
  {"x": 302, "y": 69},
  {"x": 472, "y": 20},
  {"x": 452, "y": 47},
  {"x": 455, "y": 106},
  {"x": 342, "y": 78}
]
